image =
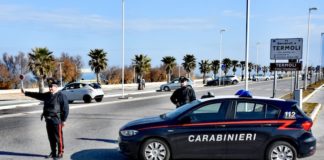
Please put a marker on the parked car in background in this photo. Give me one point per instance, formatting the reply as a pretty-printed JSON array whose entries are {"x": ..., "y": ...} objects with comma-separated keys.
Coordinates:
[
  {"x": 260, "y": 77},
  {"x": 226, "y": 80},
  {"x": 83, "y": 91},
  {"x": 174, "y": 84}
]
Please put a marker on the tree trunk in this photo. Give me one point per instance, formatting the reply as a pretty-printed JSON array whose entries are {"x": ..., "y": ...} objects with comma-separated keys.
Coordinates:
[
  {"x": 169, "y": 77},
  {"x": 97, "y": 74},
  {"x": 204, "y": 78},
  {"x": 41, "y": 84}
]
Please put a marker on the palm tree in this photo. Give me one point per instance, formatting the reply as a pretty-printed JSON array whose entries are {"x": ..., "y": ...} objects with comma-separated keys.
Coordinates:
[
  {"x": 189, "y": 63},
  {"x": 204, "y": 67},
  {"x": 142, "y": 65},
  {"x": 264, "y": 70},
  {"x": 215, "y": 67},
  {"x": 228, "y": 64},
  {"x": 169, "y": 63},
  {"x": 251, "y": 67},
  {"x": 40, "y": 63},
  {"x": 98, "y": 61},
  {"x": 235, "y": 64},
  {"x": 242, "y": 64}
]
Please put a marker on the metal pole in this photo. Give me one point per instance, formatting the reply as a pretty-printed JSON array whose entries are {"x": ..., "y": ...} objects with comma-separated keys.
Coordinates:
[
  {"x": 308, "y": 35},
  {"x": 179, "y": 70},
  {"x": 321, "y": 62},
  {"x": 247, "y": 44},
  {"x": 220, "y": 56},
  {"x": 274, "y": 83},
  {"x": 123, "y": 47},
  {"x": 61, "y": 73}
]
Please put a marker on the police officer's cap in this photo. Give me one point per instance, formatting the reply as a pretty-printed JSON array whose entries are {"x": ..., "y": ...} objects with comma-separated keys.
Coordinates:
[
  {"x": 52, "y": 81},
  {"x": 182, "y": 79}
]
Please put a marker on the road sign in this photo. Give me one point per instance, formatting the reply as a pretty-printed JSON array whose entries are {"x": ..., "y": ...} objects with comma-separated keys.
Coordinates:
[
  {"x": 21, "y": 77},
  {"x": 288, "y": 48},
  {"x": 223, "y": 67},
  {"x": 285, "y": 66}
]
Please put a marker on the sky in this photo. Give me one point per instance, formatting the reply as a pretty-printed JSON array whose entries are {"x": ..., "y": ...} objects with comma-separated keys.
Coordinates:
[{"x": 159, "y": 28}]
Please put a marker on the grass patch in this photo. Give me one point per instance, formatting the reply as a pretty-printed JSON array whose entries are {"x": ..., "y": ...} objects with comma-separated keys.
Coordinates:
[{"x": 309, "y": 107}]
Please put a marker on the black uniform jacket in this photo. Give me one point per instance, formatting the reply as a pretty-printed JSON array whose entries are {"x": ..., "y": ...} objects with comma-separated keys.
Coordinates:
[
  {"x": 183, "y": 95},
  {"x": 56, "y": 106}
]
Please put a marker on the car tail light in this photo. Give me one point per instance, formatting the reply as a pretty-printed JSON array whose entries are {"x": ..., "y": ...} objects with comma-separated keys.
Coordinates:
[{"x": 307, "y": 125}]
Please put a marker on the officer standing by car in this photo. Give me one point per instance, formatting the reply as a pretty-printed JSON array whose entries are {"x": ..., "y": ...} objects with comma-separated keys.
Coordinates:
[
  {"x": 183, "y": 95},
  {"x": 55, "y": 112}
]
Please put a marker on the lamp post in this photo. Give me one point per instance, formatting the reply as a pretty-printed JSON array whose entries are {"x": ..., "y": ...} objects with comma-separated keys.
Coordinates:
[
  {"x": 61, "y": 73},
  {"x": 220, "y": 55},
  {"x": 321, "y": 62},
  {"x": 308, "y": 34},
  {"x": 257, "y": 56},
  {"x": 123, "y": 48},
  {"x": 247, "y": 37}
]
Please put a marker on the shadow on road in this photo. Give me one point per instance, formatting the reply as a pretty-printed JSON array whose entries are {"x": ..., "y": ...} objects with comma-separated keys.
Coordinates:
[
  {"x": 5, "y": 153},
  {"x": 98, "y": 154},
  {"x": 100, "y": 140}
]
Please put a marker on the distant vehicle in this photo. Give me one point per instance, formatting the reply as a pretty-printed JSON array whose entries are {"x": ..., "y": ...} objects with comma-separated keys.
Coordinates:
[
  {"x": 260, "y": 77},
  {"x": 83, "y": 91},
  {"x": 280, "y": 76},
  {"x": 226, "y": 80},
  {"x": 174, "y": 84}
]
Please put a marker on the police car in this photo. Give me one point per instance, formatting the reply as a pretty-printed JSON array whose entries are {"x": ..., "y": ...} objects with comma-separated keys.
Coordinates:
[{"x": 230, "y": 127}]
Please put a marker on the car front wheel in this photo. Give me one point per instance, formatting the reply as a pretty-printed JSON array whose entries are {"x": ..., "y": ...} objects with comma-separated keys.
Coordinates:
[
  {"x": 155, "y": 149},
  {"x": 281, "y": 151},
  {"x": 98, "y": 99}
]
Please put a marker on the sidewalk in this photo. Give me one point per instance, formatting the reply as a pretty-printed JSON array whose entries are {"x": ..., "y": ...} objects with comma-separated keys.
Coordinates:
[{"x": 318, "y": 122}]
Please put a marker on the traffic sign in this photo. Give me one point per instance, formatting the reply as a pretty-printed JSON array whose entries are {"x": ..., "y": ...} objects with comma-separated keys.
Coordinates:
[
  {"x": 21, "y": 77},
  {"x": 285, "y": 66},
  {"x": 287, "y": 48}
]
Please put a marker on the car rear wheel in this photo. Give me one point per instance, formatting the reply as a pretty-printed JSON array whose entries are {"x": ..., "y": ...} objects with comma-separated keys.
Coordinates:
[
  {"x": 71, "y": 101},
  {"x": 234, "y": 82},
  {"x": 87, "y": 99},
  {"x": 166, "y": 88},
  {"x": 155, "y": 149},
  {"x": 281, "y": 151}
]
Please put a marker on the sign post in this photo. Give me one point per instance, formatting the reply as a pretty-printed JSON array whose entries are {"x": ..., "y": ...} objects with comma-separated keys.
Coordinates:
[
  {"x": 286, "y": 49},
  {"x": 22, "y": 77}
]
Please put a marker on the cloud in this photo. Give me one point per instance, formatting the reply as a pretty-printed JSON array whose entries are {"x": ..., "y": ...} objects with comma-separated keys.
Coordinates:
[
  {"x": 71, "y": 19},
  {"x": 231, "y": 13}
]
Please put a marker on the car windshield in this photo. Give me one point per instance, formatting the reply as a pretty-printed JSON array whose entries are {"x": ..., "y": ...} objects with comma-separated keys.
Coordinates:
[
  {"x": 180, "y": 110},
  {"x": 95, "y": 85}
]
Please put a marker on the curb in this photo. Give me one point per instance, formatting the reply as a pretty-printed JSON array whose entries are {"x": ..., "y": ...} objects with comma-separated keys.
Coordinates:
[
  {"x": 315, "y": 111},
  {"x": 310, "y": 95}
]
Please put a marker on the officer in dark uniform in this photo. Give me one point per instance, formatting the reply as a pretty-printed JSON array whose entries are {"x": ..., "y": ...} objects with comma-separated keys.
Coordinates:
[
  {"x": 183, "y": 95},
  {"x": 55, "y": 112}
]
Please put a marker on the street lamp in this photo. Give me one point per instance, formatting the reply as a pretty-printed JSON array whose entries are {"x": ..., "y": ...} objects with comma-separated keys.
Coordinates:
[
  {"x": 220, "y": 55},
  {"x": 257, "y": 55},
  {"x": 61, "y": 73},
  {"x": 308, "y": 34},
  {"x": 247, "y": 37},
  {"x": 123, "y": 48}
]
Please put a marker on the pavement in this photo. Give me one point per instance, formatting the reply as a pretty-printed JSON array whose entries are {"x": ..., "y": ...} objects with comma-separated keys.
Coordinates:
[{"x": 318, "y": 122}]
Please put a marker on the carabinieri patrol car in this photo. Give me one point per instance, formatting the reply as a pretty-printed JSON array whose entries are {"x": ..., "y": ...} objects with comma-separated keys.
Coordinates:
[{"x": 230, "y": 127}]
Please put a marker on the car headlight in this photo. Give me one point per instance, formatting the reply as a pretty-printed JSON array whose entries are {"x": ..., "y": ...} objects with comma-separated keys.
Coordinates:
[{"x": 128, "y": 133}]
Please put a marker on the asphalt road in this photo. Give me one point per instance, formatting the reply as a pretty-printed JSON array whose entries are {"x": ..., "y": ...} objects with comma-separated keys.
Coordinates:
[{"x": 91, "y": 131}]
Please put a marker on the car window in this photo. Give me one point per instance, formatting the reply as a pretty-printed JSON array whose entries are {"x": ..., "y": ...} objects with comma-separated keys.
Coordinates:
[
  {"x": 249, "y": 110},
  {"x": 95, "y": 85},
  {"x": 272, "y": 112},
  {"x": 208, "y": 113}
]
